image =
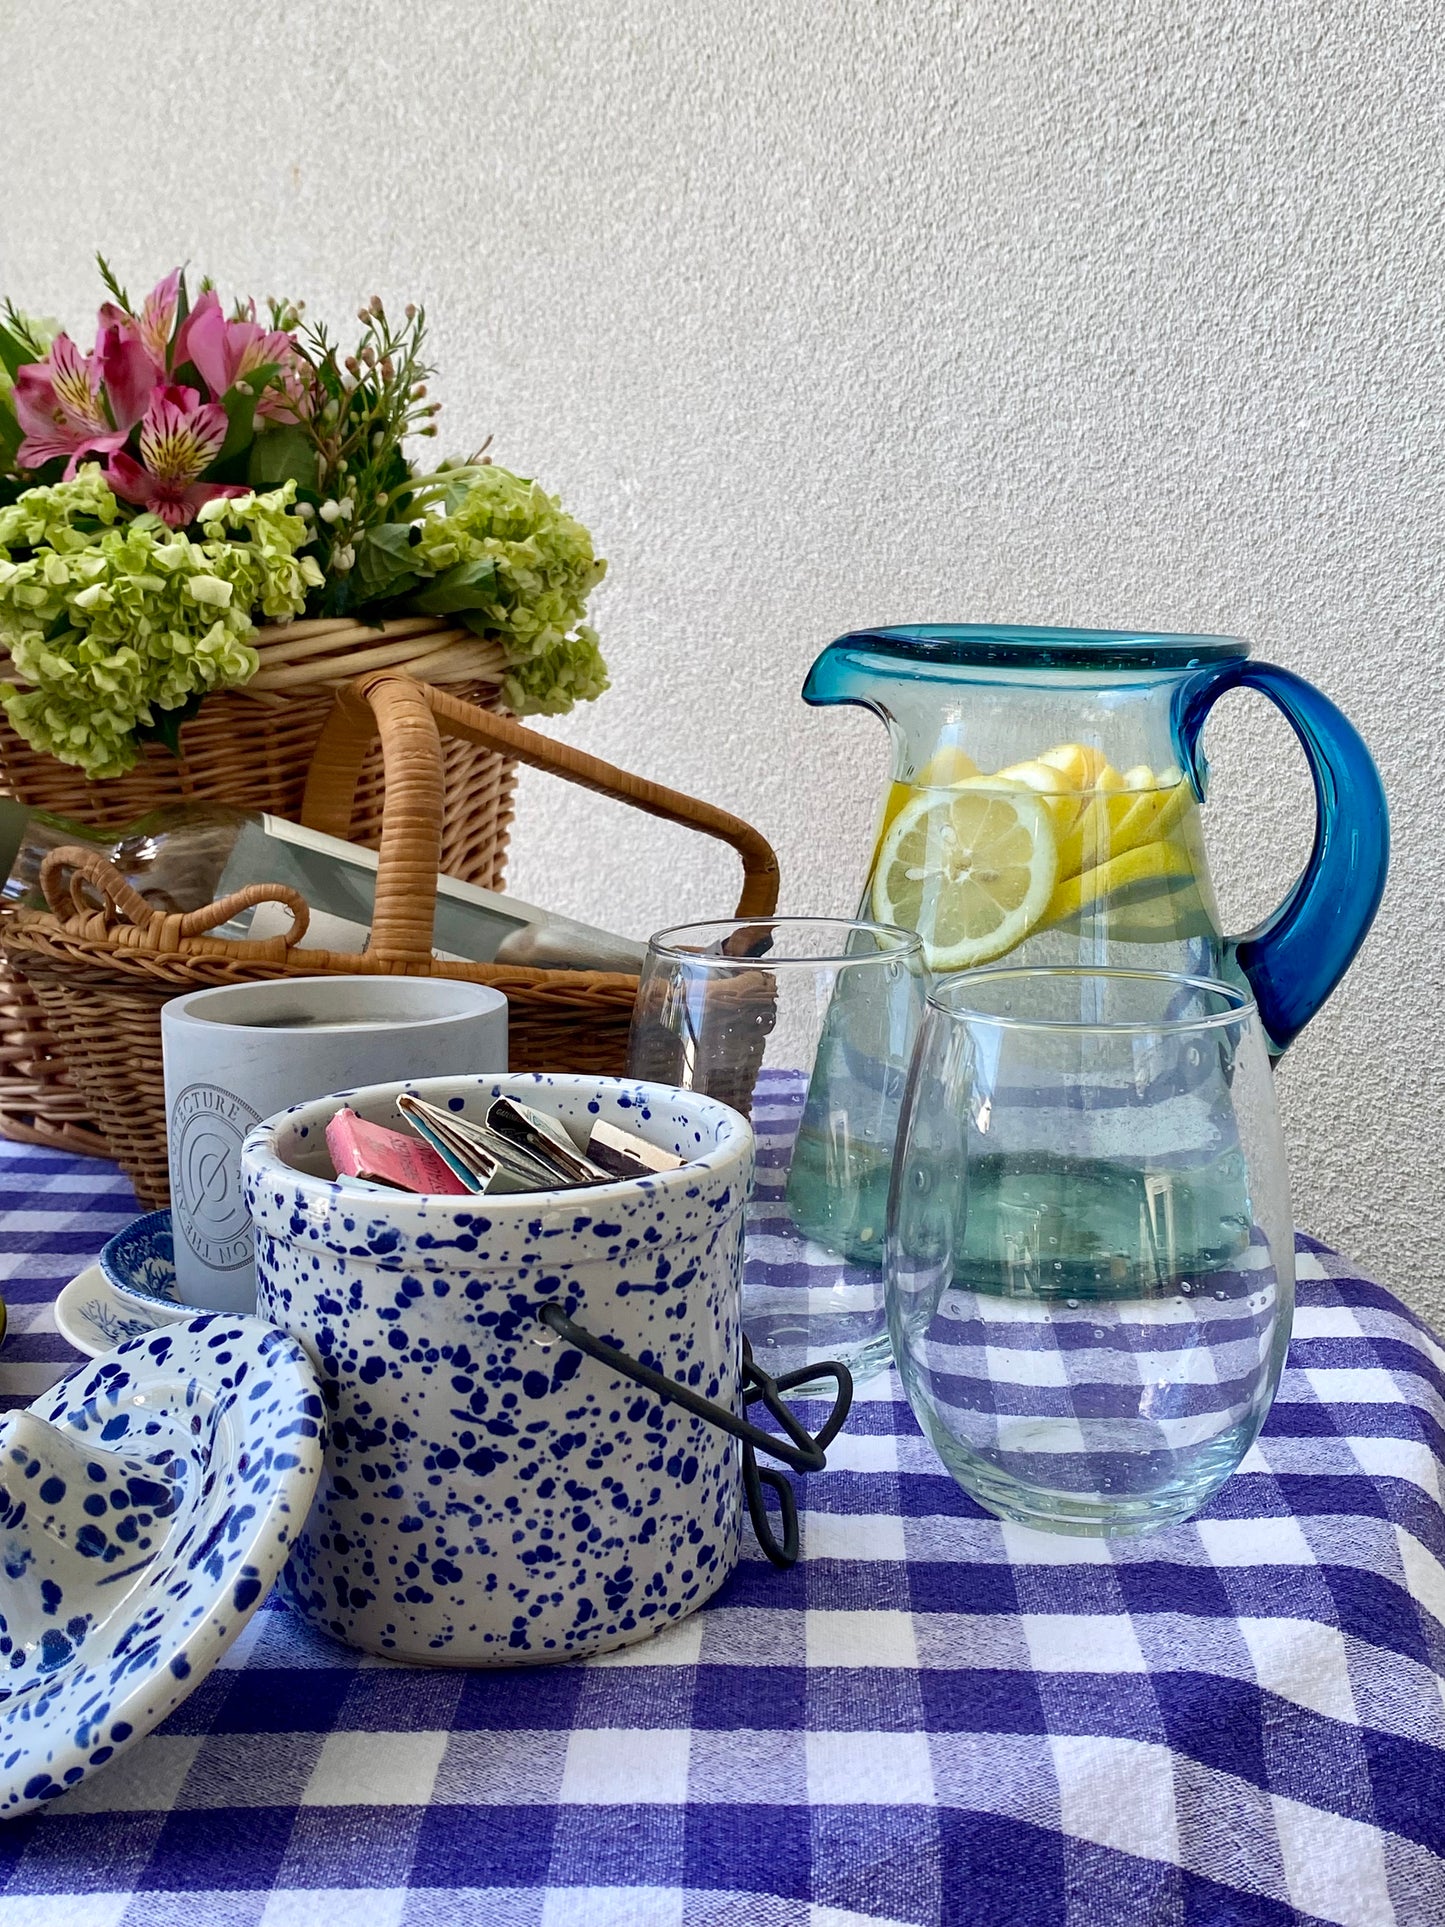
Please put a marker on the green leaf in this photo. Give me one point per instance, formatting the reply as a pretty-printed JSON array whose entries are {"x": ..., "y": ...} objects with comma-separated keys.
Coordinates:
[
  {"x": 391, "y": 597},
  {"x": 10, "y": 433},
  {"x": 168, "y": 723},
  {"x": 457, "y": 589},
  {"x": 395, "y": 539},
  {"x": 479, "y": 623},
  {"x": 385, "y": 560},
  {"x": 394, "y": 473},
  {"x": 14, "y": 352},
  {"x": 241, "y": 410},
  {"x": 282, "y": 455},
  {"x": 107, "y": 275}
]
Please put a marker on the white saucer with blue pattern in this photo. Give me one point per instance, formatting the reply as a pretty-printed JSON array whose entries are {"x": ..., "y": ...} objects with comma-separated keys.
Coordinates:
[
  {"x": 147, "y": 1503},
  {"x": 95, "y": 1317}
]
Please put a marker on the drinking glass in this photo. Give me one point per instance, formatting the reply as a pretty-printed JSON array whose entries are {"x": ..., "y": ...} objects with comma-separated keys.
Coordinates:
[
  {"x": 1090, "y": 1247},
  {"x": 806, "y": 1025}
]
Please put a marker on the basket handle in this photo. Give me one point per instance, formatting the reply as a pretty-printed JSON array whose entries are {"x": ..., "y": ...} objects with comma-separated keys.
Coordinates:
[
  {"x": 66, "y": 870},
  {"x": 410, "y": 718}
]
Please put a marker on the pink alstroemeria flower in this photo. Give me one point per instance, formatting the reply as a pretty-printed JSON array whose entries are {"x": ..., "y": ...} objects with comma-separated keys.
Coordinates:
[
  {"x": 152, "y": 327},
  {"x": 180, "y": 436},
  {"x": 225, "y": 352},
  {"x": 126, "y": 370},
  {"x": 158, "y": 317},
  {"x": 59, "y": 404}
]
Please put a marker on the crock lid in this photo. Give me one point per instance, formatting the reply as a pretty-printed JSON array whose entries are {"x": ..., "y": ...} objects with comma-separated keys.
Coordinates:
[{"x": 151, "y": 1500}]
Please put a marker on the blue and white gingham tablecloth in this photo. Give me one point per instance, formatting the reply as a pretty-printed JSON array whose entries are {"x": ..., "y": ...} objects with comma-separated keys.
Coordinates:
[{"x": 934, "y": 1719}]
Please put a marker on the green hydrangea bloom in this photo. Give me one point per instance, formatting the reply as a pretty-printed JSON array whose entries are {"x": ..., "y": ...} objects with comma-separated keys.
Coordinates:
[
  {"x": 571, "y": 671},
  {"x": 46, "y": 517},
  {"x": 107, "y": 625},
  {"x": 511, "y": 563}
]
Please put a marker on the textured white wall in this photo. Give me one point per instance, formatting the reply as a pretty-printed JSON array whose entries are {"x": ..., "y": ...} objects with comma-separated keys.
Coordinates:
[{"x": 1077, "y": 311}]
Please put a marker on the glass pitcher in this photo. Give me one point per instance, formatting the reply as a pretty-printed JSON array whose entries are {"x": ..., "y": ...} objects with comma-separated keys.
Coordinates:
[{"x": 1045, "y": 806}]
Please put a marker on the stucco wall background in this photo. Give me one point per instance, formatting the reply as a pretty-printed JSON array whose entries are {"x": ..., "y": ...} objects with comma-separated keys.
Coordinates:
[{"x": 1098, "y": 313}]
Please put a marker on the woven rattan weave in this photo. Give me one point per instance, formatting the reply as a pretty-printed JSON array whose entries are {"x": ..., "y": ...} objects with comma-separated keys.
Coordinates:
[
  {"x": 101, "y": 962},
  {"x": 253, "y": 748}
]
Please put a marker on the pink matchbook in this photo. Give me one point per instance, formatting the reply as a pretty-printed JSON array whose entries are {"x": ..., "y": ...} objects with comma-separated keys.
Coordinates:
[{"x": 362, "y": 1150}]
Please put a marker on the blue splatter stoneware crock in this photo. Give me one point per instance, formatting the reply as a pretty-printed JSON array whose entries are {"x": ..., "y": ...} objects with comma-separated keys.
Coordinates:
[{"x": 491, "y": 1496}]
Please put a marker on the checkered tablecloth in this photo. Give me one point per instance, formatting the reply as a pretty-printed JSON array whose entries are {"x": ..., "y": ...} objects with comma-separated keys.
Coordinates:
[{"x": 935, "y": 1718}]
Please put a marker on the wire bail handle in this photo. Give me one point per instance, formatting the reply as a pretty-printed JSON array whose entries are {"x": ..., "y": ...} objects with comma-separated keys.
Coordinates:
[{"x": 802, "y": 1450}]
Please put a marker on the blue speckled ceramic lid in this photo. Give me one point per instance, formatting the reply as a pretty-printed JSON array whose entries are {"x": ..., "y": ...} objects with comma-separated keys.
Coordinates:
[{"x": 147, "y": 1503}]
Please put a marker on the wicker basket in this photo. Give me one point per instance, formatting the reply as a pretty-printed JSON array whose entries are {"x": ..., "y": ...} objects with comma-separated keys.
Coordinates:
[
  {"x": 252, "y": 748},
  {"x": 100, "y": 975}
]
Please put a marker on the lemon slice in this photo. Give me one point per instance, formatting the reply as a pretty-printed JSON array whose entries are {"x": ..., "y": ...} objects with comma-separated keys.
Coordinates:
[
  {"x": 1064, "y": 804},
  {"x": 971, "y": 869},
  {"x": 1117, "y": 813},
  {"x": 1178, "y": 801},
  {"x": 946, "y": 766},
  {"x": 1079, "y": 766},
  {"x": 1149, "y": 863}
]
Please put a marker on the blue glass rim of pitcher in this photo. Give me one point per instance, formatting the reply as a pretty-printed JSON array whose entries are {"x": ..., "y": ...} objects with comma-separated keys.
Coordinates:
[
  {"x": 1019, "y": 646},
  {"x": 963, "y": 998},
  {"x": 700, "y": 944}
]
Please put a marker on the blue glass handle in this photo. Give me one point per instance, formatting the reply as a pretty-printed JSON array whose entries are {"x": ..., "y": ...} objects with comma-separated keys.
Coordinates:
[{"x": 1294, "y": 959}]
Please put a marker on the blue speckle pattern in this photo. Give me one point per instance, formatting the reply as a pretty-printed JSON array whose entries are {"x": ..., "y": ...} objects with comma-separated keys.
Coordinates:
[
  {"x": 490, "y": 1495},
  {"x": 146, "y": 1504},
  {"x": 140, "y": 1261}
]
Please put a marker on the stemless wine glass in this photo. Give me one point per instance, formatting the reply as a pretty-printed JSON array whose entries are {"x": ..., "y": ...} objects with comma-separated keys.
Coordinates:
[
  {"x": 1090, "y": 1248},
  {"x": 806, "y": 1025}
]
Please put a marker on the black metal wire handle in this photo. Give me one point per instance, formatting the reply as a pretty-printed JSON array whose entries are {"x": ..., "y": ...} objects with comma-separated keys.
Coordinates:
[
  {"x": 806, "y": 1452},
  {"x": 757, "y": 1384}
]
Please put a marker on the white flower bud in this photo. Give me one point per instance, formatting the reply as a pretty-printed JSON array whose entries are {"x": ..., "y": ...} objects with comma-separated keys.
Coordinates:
[
  {"x": 330, "y": 511},
  {"x": 342, "y": 559}
]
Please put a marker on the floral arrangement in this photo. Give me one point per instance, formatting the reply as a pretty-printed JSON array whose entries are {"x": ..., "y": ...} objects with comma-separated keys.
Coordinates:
[{"x": 197, "y": 473}]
